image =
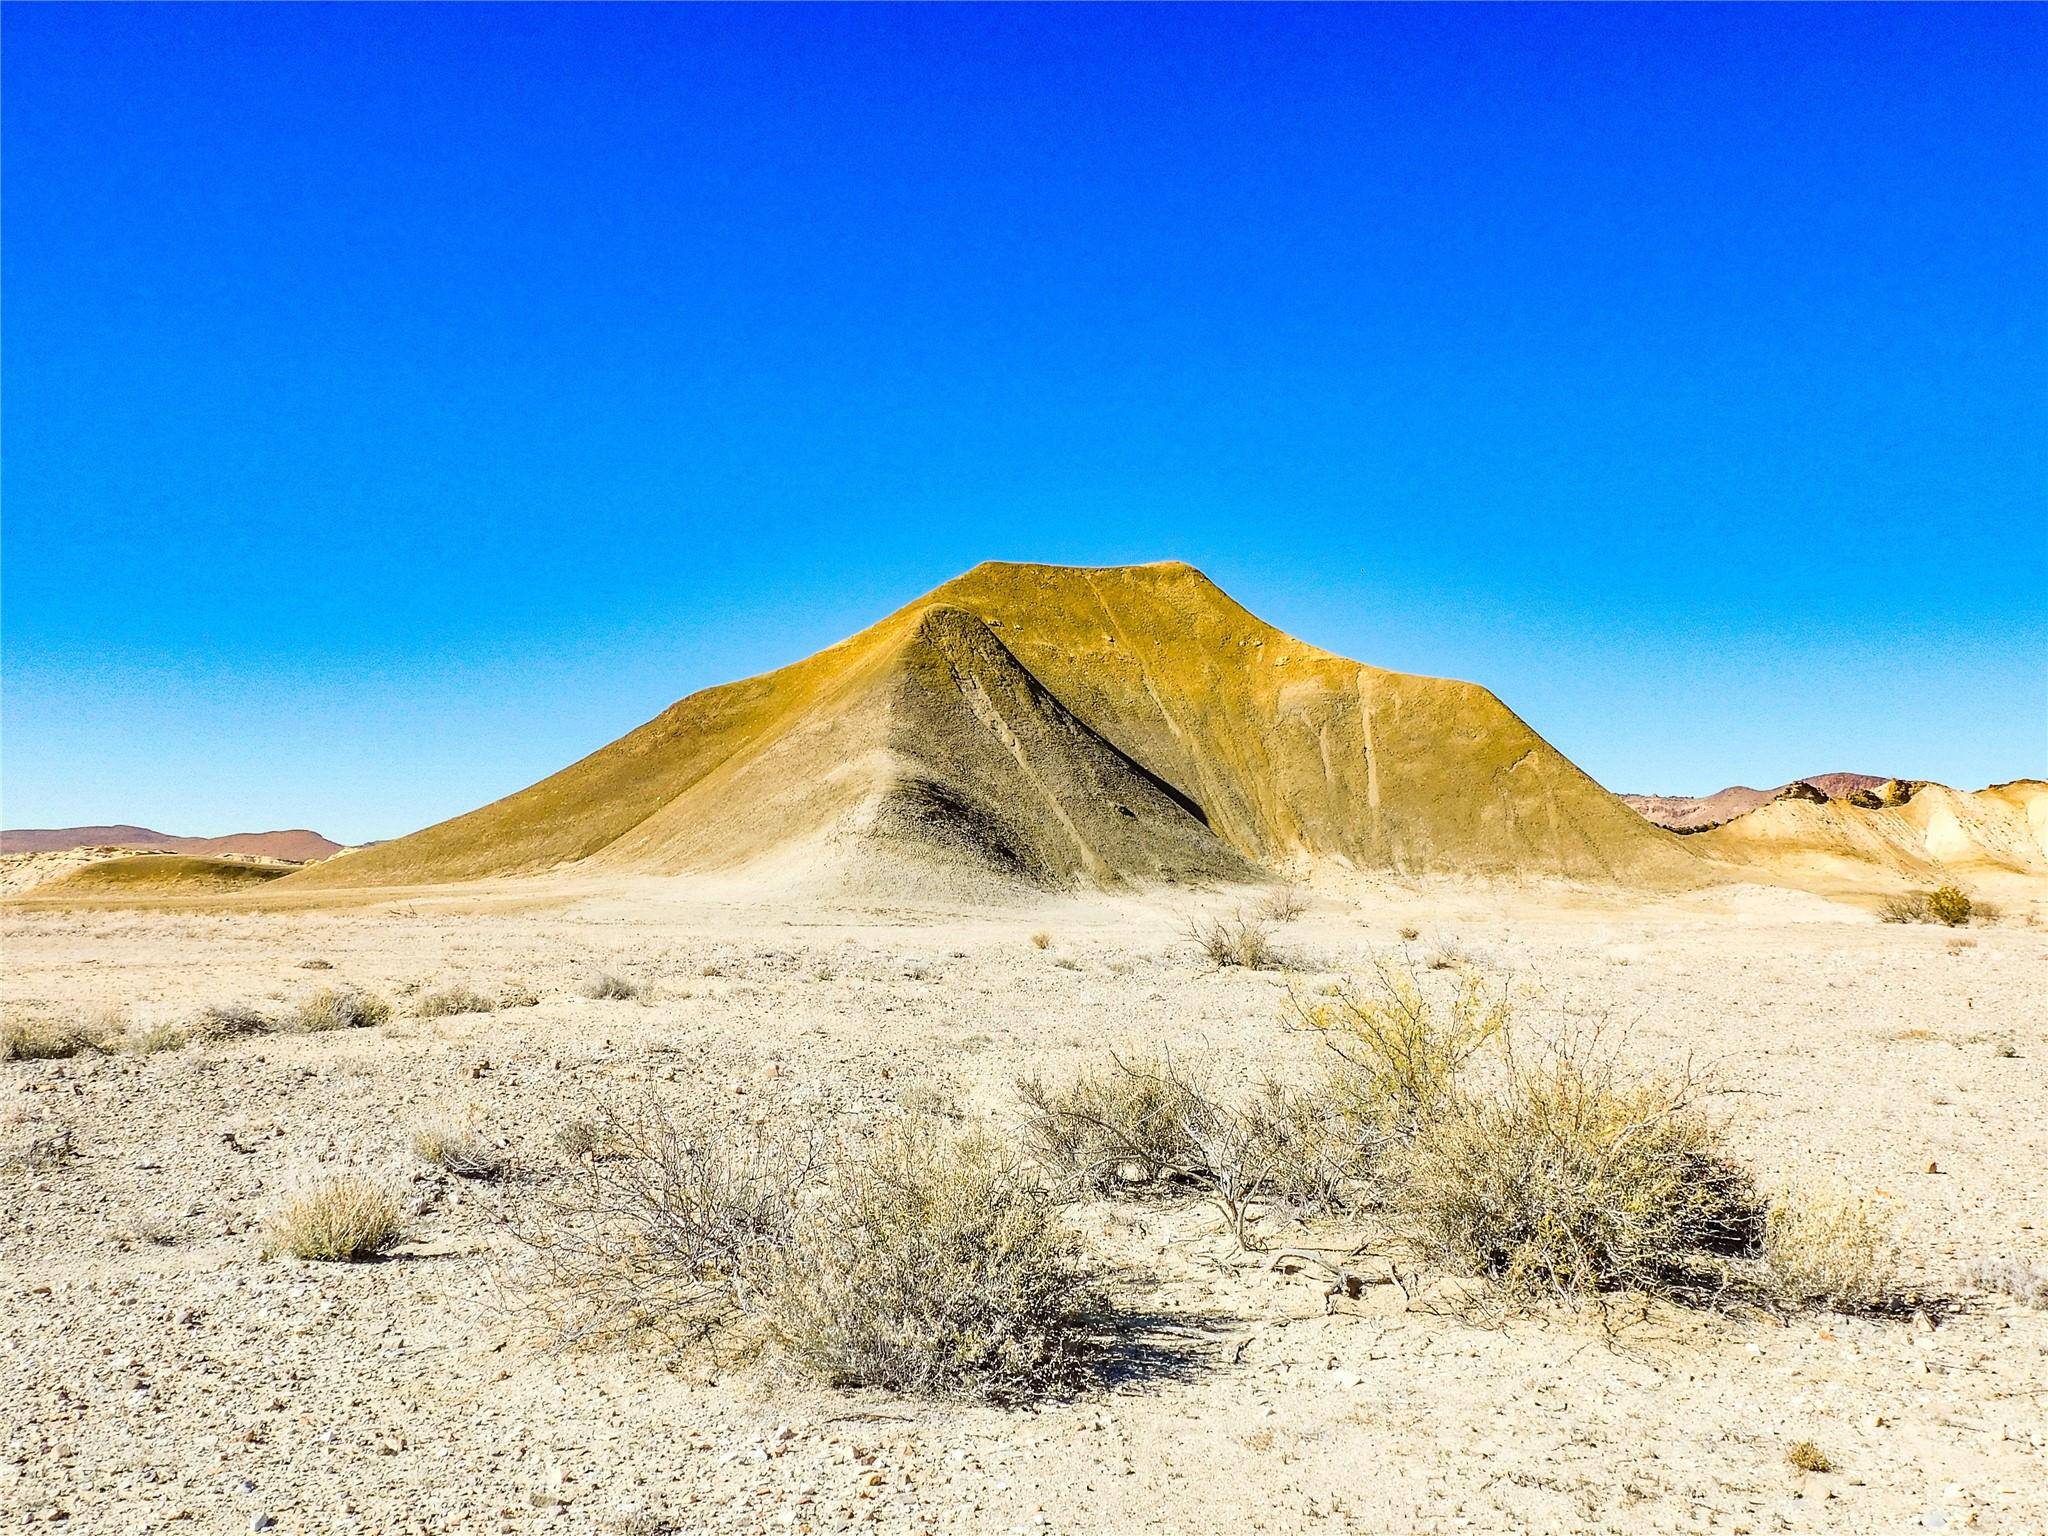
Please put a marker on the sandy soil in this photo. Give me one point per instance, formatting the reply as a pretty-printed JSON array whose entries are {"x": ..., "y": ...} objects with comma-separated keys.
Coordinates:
[{"x": 162, "y": 1374}]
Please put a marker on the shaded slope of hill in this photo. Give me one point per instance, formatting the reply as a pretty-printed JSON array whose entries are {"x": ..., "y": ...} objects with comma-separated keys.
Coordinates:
[
  {"x": 297, "y": 843},
  {"x": 1056, "y": 725}
]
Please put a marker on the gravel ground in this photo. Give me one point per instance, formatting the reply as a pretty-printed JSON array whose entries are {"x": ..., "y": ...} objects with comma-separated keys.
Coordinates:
[{"x": 163, "y": 1373}]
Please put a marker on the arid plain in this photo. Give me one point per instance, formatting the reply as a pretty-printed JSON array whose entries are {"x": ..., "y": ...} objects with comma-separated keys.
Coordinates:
[{"x": 979, "y": 846}]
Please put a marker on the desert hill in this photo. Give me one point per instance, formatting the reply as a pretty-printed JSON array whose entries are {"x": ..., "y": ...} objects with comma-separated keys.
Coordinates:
[
  {"x": 1052, "y": 726},
  {"x": 297, "y": 844},
  {"x": 1898, "y": 832},
  {"x": 155, "y": 874},
  {"x": 1688, "y": 813}
]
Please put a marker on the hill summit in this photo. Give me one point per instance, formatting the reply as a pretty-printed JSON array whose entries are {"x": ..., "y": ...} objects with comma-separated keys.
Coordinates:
[{"x": 1057, "y": 726}]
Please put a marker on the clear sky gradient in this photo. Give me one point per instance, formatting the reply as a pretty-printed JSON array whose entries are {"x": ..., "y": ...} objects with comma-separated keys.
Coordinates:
[{"x": 403, "y": 401}]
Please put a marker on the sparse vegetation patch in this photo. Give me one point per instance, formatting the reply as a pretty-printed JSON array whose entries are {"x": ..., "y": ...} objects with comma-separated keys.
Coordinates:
[
  {"x": 922, "y": 1261},
  {"x": 339, "y": 1220},
  {"x": 342, "y": 1008},
  {"x": 453, "y": 1000}
]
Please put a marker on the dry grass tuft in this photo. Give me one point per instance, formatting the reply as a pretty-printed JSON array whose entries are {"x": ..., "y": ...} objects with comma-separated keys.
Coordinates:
[
  {"x": 339, "y": 1220},
  {"x": 1238, "y": 940},
  {"x": 1041, "y": 939},
  {"x": 160, "y": 1038},
  {"x": 1808, "y": 1457},
  {"x": 231, "y": 1021},
  {"x": 1284, "y": 905},
  {"x": 460, "y": 1151},
  {"x": 605, "y": 987},
  {"x": 2026, "y": 1283},
  {"x": 453, "y": 1000},
  {"x": 342, "y": 1008},
  {"x": 46, "y": 1040},
  {"x": 1838, "y": 1254},
  {"x": 1410, "y": 934}
]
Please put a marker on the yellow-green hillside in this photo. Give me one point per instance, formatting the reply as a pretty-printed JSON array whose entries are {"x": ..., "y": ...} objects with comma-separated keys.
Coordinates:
[{"x": 1129, "y": 724}]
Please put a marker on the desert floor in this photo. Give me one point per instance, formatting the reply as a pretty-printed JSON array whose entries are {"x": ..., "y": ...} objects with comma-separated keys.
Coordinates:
[{"x": 158, "y": 1368}]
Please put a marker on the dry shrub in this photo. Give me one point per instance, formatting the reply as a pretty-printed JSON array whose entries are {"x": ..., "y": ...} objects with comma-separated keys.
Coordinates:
[
  {"x": 1237, "y": 940},
  {"x": 1829, "y": 1252},
  {"x": 339, "y": 1220},
  {"x": 460, "y": 1151},
  {"x": 1147, "y": 1126},
  {"x": 663, "y": 1227},
  {"x": 1808, "y": 1457},
  {"x": 159, "y": 1038},
  {"x": 2026, "y": 1283},
  {"x": 1564, "y": 1181},
  {"x": 1449, "y": 956},
  {"x": 929, "y": 1265},
  {"x": 453, "y": 1000},
  {"x": 1911, "y": 907},
  {"x": 46, "y": 1040},
  {"x": 231, "y": 1021},
  {"x": 1284, "y": 905},
  {"x": 922, "y": 1262},
  {"x": 342, "y": 1008},
  {"x": 1948, "y": 906},
  {"x": 605, "y": 987},
  {"x": 1128, "y": 1124},
  {"x": 1400, "y": 1045},
  {"x": 1411, "y": 933},
  {"x": 1041, "y": 939},
  {"x": 1944, "y": 904}
]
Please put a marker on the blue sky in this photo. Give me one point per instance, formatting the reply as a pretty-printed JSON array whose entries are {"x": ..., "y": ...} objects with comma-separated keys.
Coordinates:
[{"x": 402, "y": 401}]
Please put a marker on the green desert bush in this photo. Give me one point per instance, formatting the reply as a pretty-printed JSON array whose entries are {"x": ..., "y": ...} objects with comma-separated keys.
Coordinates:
[
  {"x": 1948, "y": 906},
  {"x": 339, "y": 1220},
  {"x": 341, "y": 1008},
  {"x": 453, "y": 1000},
  {"x": 929, "y": 1265}
]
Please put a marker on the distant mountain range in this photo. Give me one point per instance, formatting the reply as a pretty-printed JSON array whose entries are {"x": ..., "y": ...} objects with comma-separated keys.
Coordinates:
[
  {"x": 296, "y": 844},
  {"x": 1688, "y": 813}
]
